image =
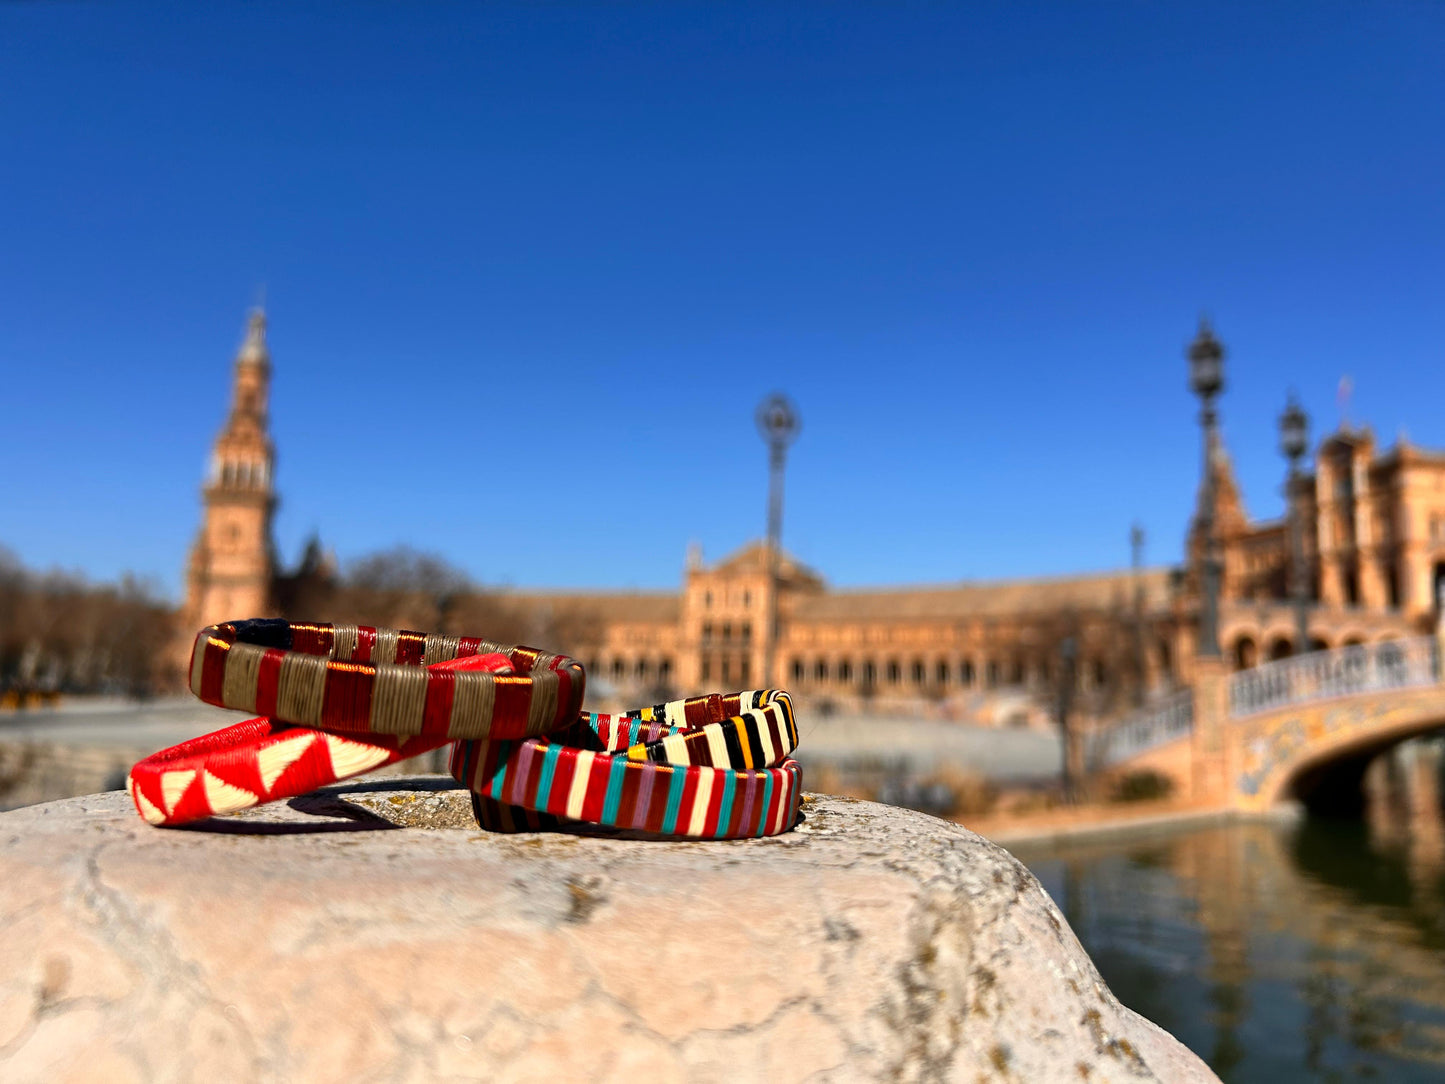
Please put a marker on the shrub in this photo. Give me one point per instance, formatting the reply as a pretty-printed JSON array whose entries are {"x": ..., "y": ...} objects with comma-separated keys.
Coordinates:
[{"x": 1144, "y": 785}]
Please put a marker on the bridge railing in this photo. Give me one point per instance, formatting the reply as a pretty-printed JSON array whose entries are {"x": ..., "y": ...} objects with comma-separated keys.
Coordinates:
[
  {"x": 1157, "y": 724},
  {"x": 1390, "y": 664}
]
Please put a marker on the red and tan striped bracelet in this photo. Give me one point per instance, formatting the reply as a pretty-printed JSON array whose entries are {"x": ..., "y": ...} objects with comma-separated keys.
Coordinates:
[{"x": 382, "y": 681}]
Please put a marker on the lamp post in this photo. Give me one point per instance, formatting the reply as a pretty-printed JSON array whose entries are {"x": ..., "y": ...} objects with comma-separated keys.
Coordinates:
[
  {"x": 1294, "y": 426},
  {"x": 1206, "y": 380},
  {"x": 778, "y": 423},
  {"x": 1141, "y": 665}
]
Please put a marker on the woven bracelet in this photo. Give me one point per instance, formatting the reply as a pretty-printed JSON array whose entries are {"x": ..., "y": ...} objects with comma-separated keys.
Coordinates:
[
  {"x": 714, "y": 780},
  {"x": 261, "y": 760},
  {"x": 380, "y": 681}
]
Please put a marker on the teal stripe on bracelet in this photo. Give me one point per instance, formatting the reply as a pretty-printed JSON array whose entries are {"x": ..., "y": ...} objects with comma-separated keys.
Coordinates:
[
  {"x": 767, "y": 801},
  {"x": 725, "y": 808},
  {"x": 674, "y": 800},
  {"x": 614, "y": 791},
  {"x": 549, "y": 768}
]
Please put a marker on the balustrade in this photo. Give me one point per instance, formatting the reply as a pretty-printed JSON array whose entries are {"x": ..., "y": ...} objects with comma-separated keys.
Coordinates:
[
  {"x": 1158, "y": 724},
  {"x": 1359, "y": 668}
]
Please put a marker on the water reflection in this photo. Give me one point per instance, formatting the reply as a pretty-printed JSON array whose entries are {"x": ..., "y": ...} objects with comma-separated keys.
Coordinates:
[{"x": 1306, "y": 952}]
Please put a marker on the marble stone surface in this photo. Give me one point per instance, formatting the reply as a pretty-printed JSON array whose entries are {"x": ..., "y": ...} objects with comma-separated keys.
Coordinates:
[{"x": 370, "y": 933}]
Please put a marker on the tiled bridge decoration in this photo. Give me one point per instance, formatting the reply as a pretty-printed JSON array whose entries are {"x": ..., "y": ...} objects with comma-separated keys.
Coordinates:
[{"x": 1244, "y": 738}]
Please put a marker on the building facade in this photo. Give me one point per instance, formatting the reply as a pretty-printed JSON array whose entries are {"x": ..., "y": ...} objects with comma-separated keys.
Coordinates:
[{"x": 1003, "y": 653}]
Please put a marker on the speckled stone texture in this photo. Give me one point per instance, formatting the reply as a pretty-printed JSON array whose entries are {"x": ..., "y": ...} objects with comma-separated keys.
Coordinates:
[{"x": 369, "y": 934}]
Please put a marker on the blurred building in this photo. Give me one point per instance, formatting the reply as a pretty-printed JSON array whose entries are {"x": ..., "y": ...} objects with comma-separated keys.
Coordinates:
[{"x": 999, "y": 652}]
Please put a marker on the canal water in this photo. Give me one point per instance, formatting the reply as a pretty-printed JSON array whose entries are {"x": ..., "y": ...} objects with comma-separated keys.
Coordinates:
[{"x": 1312, "y": 951}]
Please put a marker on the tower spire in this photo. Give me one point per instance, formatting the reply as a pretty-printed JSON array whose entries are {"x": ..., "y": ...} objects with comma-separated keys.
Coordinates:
[{"x": 253, "y": 349}]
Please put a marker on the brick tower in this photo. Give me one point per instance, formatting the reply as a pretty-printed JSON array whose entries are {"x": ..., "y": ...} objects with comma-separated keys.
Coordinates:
[{"x": 232, "y": 563}]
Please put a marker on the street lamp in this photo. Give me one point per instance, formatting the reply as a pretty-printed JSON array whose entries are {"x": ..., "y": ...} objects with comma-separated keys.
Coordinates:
[
  {"x": 1206, "y": 379},
  {"x": 1294, "y": 429},
  {"x": 778, "y": 424}
]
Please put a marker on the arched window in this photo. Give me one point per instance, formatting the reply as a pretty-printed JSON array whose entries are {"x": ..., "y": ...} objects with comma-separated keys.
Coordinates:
[
  {"x": 992, "y": 675},
  {"x": 845, "y": 671},
  {"x": 664, "y": 670},
  {"x": 1016, "y": 673},
  {"x": 870, "y": 674},
  {"x": 1246, "y": 654},
  {"x": 727, "y": 633},
  {"x": 798, "y": 670},
  {"x": 707, "y": 632},
  {"x": 747, "y": 599},
  {"x": 820, "y": 670},
  {"x": 745, "y": 670},
  {"x": 940, "y": 673},
  {"x": 707, "y": 668},
  {"x": 747, "y": 632},
  {"x": 965, "y": 673},
  {"x": 641, "y": 668},
  {"x": 618, "y": 669},
  {"x": 920, "y": 671},
  {"x": 894, "y": 673},
  {"x": 1101, "y": 674}
]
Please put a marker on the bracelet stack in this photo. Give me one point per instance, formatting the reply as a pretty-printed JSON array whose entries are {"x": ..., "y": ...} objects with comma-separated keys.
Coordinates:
[{"x": 334, "y": 701}]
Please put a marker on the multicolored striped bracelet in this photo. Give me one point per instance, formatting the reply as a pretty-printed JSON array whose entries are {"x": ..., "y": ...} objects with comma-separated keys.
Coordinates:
[
  {"x": 382, "y": 681},
  {"x": 715, "y": 780}
]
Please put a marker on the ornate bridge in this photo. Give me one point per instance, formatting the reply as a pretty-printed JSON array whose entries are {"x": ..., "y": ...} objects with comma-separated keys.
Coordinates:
[{"x": 1252, "y": 738}]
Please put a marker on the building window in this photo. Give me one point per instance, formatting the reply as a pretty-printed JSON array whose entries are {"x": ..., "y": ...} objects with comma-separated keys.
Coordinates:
[
  {"x": 727, "y": 670},
  {"x": 940, "y": 673},
  {"x": 1101, "y": 674},
  {"x": 744, "y": 671},
  {"x": 707, "y": 632},
  {"x": 617, "y": 669},
  {"x": 919, "y": 671},
  {"x": 894, "y": 674},
  {"x": 664, "y": 670},
  {"x": 965, "y": 674},
  {"x": 1016, "y": 673},
  {"x": 746, "y": 632},
  {"x": 727, "y": 636},
  {"x": 992, "y": 675},
  {"x": 641, "y": 668},
  {"x": 845, "y": 671},
  {"x": 706, "y": 668},
  {"x": 798, "y": 670},
  {"x": 870, "y": 674},
  {"x": 820, "y": 670},
  {"x": 707, "y": 600},
  {"x": 747, "y": 599}
]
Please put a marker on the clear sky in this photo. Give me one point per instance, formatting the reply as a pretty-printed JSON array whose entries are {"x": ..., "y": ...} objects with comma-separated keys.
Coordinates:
[{"x": 529, "y": 269}]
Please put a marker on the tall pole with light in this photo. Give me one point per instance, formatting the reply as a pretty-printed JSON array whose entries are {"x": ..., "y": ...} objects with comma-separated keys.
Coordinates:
[
  {"x": 1206, "y": 379},
  {"x": 778, "y": 423},
  {"x": 1136, "y": 561},
  {"x": 1294, "y": 428}
]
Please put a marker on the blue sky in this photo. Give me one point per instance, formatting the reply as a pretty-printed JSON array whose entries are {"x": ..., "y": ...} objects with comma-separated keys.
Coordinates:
[{"x": 530, "y": 268}]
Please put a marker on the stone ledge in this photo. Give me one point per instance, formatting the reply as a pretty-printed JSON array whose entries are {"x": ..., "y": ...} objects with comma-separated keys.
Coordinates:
[{"x": 369, "y": 933}]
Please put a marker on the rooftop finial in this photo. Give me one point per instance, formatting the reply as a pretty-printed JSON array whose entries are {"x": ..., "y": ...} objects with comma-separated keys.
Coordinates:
[{"x": 253, "y": 349}]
